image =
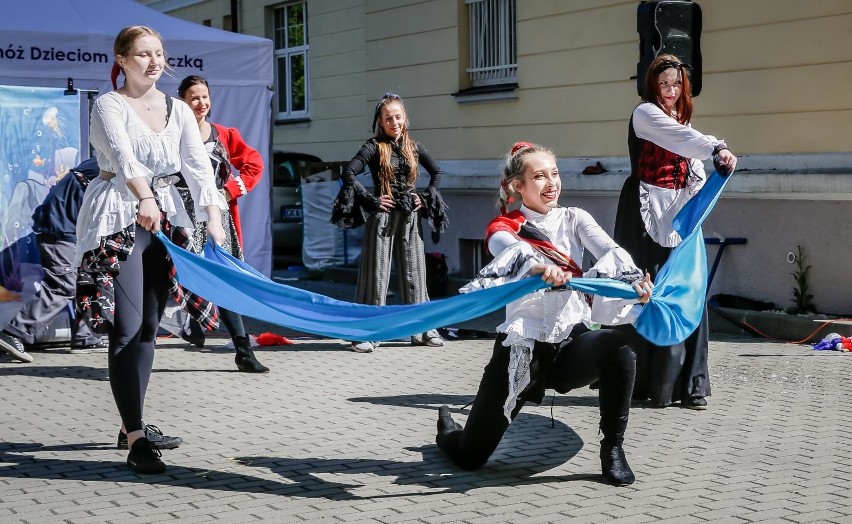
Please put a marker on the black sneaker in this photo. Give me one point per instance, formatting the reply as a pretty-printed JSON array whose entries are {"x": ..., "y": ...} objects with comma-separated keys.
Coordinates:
[
  {"x": 97, "y": 347},
  {"x": 145, "y": 458},
  {"x": 154, "y": 436},
  {"x": 698, "y": 403},
  {"x": 14, "y": 346}
]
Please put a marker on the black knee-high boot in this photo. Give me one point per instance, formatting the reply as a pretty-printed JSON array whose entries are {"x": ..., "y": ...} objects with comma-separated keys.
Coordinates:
[
  {"x": 245, "y": 359},
  {"x": 616, "y": 387}
]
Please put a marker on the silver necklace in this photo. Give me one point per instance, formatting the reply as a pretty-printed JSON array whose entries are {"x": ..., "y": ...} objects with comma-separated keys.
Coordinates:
[{"x": 146, "y": 106}]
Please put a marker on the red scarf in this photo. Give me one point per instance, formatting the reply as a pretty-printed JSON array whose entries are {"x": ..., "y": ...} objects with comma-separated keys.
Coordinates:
[{"x": 514, "y": 222}]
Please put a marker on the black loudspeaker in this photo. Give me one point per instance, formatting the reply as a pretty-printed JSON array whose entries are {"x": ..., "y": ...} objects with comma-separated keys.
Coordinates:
[{"x": 669, "y": 27}]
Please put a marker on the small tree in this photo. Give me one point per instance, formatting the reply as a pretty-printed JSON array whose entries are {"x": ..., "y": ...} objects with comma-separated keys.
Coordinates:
[{"x": 801, "y": 295}]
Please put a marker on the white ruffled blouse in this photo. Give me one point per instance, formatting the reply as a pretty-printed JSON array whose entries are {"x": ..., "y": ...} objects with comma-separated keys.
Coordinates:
[
  {"x": 126, "y": 146},
  {"x": 658, "y": 205},
  {"x": 549, "y": 315}
]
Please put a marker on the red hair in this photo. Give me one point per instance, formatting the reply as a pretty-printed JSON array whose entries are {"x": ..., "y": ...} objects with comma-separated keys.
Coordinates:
[{"x": 651, "y": 92}]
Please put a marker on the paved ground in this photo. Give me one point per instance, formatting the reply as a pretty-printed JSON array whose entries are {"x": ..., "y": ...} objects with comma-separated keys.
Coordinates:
[{"x": 335, "y": 436}]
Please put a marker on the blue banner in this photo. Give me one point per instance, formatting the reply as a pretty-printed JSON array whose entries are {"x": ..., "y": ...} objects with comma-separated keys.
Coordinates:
[{"x": 40, "y": 142}]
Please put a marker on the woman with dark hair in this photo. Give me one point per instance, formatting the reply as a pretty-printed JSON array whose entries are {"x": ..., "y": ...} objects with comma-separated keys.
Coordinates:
[
  {"x": 142, "y": 138},
  {"x": 666, "y": 156},
  {"x": 226, "y": 148},
  {"x": 546, "y": 340},
  {"x": 391, "y": 215}
]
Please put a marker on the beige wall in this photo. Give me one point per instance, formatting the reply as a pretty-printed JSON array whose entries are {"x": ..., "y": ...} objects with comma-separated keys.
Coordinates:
[
  {"x": 762, "y": 59},
  {"x": 775, "y": 81}
]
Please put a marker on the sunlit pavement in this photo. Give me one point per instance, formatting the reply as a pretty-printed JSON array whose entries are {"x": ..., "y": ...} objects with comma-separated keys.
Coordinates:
[{"x": 330, "y": 435}]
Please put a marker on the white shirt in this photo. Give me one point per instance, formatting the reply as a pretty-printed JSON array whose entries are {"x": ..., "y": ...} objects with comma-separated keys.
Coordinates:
[
  {"x": 659, "y": 205},
  {"x": 126, "y": 146},
  {"x": 549, "y": 316}
]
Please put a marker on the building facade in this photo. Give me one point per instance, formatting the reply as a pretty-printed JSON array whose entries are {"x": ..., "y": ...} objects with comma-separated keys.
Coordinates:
[{"x": 478, "y": 75}]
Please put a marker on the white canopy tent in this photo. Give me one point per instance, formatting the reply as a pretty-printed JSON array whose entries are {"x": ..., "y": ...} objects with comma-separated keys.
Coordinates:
[{"x": 45, "y": 42}]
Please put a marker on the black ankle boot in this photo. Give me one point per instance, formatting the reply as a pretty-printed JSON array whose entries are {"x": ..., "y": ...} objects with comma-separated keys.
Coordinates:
[
  {"x": 245, "y": 359},
  {"x": 616, "y": 387},
  {"x": 614, "y": 466},
  {"x": 446, "y": 422}
]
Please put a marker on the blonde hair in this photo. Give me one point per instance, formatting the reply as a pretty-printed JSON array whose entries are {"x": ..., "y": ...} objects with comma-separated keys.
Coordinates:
[
  {"x": 514, "y": 165},
  {"x": 124, "y": 43}
]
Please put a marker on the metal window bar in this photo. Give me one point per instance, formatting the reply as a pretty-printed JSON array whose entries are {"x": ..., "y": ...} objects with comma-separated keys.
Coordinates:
[{"x": 493, "y": 51}]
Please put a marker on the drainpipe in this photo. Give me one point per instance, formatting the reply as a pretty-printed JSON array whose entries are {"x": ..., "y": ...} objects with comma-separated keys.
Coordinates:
[{"x": 235, "y": 13}]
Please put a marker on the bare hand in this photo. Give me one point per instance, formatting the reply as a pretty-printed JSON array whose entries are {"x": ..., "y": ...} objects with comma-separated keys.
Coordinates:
[
  {"x": 216, "y": 232},
  {"x": 727, "y": 159},
  {"x": 551, "y": 274},
  {"x": 643, "y": 288},
  {"x": 386, "y": 203},
  {"x": 148, "y": 215},
  {"x": 418, "y": 203},
  {"x": 214, "y": 225}
]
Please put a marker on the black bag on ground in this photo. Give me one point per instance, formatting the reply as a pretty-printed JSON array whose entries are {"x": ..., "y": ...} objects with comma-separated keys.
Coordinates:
[{"x": 437, "y": 281}]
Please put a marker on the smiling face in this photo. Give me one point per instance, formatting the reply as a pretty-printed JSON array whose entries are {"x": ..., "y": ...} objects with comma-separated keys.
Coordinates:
[
  {"x": 392, "y": 120},
  {"x": 540, "y": 185},
  {"x": 669, "y": 87},
  {"x": 198, "y": 98},
  {"x": 145, "y": 61}
]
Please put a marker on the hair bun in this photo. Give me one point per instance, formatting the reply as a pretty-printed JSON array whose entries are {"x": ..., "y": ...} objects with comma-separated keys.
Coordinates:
[{"x": 519, "y": 146}]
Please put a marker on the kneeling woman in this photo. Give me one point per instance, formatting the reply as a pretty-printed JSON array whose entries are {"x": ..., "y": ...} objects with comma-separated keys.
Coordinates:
[{"x": 545, "y": 341}]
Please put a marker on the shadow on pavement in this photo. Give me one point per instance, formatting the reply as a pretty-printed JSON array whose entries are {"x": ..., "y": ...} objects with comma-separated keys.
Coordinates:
[
  {"x": 303, "y": 477},
  {"x": 79, "y": 372}
]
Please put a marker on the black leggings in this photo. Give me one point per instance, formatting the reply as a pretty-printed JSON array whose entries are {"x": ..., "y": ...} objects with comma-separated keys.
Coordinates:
[
  {"x": 600, "y": 355},
  {"x": 141, "y": 289},
  {"x": 233, "y": 323}
]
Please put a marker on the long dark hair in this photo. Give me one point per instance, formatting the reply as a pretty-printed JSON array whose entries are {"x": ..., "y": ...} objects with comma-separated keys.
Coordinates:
[
  {"x": 683, "y": 106},
  {"x": 406, "y": 145}
]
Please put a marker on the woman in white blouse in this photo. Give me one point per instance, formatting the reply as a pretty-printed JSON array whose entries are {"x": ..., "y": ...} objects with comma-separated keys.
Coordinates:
[
  {"x": 546, "y": 340},
  {"x": 142, "y": 137},
  {"x": 666, "y": 156}
]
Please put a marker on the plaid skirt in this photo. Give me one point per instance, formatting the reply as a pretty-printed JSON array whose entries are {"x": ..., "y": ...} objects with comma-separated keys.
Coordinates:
[{"x": 95, "y": 297}]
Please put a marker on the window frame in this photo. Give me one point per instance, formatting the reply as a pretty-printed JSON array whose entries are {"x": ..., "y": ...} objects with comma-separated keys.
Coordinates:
[
  {"x": 286, "y": 54},
  {"x": 492, "y": 45}
]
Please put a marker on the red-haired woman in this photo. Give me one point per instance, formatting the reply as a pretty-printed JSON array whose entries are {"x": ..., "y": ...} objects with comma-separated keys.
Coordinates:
[{"x": 666, "y": 156}]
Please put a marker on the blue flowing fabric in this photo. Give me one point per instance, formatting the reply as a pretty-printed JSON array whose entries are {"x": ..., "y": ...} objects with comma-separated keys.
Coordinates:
[
  {"x": 678, "y": 298},
  {"x": 234, "y": 285}
]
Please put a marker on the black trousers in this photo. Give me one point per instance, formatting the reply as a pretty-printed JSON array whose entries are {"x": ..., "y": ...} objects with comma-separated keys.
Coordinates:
[
  {"x": 57, "y": 291},
  {"x": 141, "y": 290},
  {"x": 590, "y": 356}
]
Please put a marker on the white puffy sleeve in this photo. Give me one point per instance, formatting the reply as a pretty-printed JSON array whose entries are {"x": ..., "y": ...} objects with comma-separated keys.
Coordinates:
[
  {"x": 195, "y": 164},
  {"x": 651, "y": 123},
  {"x": 110, "y": 137}
]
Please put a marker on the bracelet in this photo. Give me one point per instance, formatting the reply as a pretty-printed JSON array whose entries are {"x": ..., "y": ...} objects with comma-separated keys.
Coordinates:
[
  {"x": 146, "y": 198},
  {"x": 719, "y": 148}
]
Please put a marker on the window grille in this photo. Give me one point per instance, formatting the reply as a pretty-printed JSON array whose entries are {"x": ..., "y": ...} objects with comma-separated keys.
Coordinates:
[{"x": 493, "y": 42}]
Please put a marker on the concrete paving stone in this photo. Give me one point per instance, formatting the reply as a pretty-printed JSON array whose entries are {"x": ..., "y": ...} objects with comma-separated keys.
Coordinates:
[
  {"x": 819, "y": 515},
  {"x": 456, "y": 515},
  {"x": 773, "y": 515},
  {"x": 789, "y": 435}
]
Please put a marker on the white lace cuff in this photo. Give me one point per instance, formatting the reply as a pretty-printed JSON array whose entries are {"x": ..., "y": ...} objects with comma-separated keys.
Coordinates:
[{"x": 512, "y": 264}]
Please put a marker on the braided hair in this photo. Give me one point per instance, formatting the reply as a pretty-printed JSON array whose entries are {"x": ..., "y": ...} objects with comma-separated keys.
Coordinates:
[{"x": 513, "y": 169}]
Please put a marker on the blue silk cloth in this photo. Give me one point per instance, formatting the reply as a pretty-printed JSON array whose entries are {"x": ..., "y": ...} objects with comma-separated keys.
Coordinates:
[
  {"x": 678, "y": 299},
  {"x": 673, "y": 312}
]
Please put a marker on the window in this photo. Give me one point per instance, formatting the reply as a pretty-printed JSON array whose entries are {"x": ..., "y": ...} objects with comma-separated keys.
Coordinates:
[
  {"x": 493, "y": 46},
  {"x": 291, "y": 60}
]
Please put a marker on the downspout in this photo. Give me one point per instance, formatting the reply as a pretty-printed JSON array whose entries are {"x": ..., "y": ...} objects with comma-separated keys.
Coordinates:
[{"x": 235, "y": 13}]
